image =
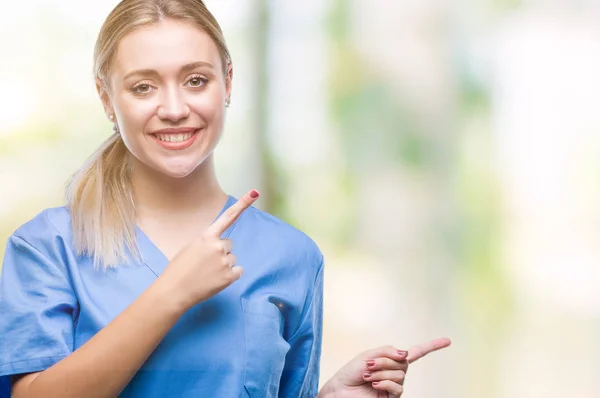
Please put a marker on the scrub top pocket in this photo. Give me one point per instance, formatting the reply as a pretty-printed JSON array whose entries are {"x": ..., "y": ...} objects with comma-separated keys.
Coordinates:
[{"x": 265, "y": 347}]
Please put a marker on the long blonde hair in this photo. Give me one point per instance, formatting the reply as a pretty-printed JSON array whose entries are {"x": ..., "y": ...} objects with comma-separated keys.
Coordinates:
[{"x": 99, "y": 195}]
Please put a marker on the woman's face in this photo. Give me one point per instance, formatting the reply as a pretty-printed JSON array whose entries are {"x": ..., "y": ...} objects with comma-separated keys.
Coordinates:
[{"x": 168, "y": 93}]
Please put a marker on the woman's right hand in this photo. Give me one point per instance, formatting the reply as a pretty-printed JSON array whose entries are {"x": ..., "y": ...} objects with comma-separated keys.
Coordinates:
[{"x": 206, "y": 266}]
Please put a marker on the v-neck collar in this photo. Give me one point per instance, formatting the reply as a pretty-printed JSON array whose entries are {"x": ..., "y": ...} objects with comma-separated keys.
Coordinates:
[{"x": 154, "y": 258}]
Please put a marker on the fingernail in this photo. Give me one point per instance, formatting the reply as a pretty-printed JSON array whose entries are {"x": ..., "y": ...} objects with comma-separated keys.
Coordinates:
[
  {"x": 367, "y": 375},
  {"x": 402, "y": 353},
  {"x": 375, "y": 383},
  {"x": 371, "y": 363},
  {"x": 254, "y": 194}
]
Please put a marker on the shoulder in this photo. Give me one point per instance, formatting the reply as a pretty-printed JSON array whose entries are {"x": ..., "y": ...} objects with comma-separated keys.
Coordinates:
[
  {"x": 266, "y": 229},
  {"x": 51, "y": 222},
  {"x": 48, "y": 233}
]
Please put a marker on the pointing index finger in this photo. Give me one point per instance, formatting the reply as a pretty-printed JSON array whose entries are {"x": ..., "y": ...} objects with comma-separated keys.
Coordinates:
[
  {"x": 231, "y": 214},
  {"x": 419, "y": 351}
]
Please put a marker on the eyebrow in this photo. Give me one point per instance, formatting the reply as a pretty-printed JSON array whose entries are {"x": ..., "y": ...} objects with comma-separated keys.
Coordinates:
[{"x": 184, "y": 68}]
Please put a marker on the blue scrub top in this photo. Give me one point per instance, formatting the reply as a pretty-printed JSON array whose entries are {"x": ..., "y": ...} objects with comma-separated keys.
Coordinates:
[{"x": 260, "y": 337}]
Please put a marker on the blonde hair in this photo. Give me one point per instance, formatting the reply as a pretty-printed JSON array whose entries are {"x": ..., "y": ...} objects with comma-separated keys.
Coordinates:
[{"x": 99, "y": 195}]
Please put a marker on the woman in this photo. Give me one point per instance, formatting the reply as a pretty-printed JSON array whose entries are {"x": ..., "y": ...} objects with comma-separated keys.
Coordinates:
[{"x": 133, "y": 288}]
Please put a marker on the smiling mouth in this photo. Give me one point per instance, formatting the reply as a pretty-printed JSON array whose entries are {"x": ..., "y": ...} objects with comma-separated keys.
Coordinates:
[{"x": 174, "y": 137}]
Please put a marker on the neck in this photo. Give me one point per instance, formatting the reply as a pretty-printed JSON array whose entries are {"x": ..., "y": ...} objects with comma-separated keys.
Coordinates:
[{"x": 157, "y": 195}]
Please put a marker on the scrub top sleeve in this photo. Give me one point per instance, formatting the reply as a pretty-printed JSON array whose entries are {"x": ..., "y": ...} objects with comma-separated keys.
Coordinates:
[
  {"x": 37, "y": 308},
  {"x": 300, "y": 377}
]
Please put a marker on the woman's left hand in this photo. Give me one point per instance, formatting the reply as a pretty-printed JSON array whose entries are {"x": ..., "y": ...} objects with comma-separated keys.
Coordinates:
[{"x": 377, "y": 373}]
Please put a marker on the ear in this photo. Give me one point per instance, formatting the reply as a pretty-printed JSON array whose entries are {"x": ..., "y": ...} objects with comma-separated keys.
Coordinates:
[
  {"x": 104, "y": 97},
  {"x": 228, "y": 81}
]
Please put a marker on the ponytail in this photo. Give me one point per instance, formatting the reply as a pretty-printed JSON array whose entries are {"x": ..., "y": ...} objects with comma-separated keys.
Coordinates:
[{"x": 100, "y": 200}]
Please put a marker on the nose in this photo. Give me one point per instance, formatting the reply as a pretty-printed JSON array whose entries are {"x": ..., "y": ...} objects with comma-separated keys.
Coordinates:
[{"x": 173, "y": 106}]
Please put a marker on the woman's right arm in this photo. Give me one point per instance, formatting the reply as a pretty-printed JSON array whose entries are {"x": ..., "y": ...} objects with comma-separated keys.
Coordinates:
[{"x": 105, "y": 364}]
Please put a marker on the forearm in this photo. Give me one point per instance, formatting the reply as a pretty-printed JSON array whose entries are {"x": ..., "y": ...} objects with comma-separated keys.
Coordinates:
[{"x": 104, "y": 365}]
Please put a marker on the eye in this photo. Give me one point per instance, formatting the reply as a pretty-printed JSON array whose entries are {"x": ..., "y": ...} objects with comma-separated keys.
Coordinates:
[
  {"x": 141, "y": 88},
  {"x": 197, "y": 81}
]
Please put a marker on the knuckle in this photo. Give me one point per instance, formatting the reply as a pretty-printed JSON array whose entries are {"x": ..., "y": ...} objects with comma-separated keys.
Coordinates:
[
  {"x": 384, "y": 384},
  {"x": 230, "y": 213},
  {"x": 217, "y": 245},
  {"x": 398, "y": 377}
]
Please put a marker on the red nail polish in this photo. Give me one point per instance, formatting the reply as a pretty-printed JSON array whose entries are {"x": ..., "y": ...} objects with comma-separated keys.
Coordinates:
[
  {"x": 367, "y": 375},
  {"x": 370, "y": 363},
  {"x": 254, "y": 194}
]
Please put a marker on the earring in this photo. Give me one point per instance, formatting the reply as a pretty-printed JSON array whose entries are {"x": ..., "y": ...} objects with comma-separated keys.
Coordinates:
[
  {"x": 228, "y": 102},
  {"x": 115, "y": 125}
]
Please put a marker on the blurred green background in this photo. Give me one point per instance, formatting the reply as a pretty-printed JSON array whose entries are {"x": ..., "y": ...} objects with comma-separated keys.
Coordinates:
[{"x": 444, "y": 155}]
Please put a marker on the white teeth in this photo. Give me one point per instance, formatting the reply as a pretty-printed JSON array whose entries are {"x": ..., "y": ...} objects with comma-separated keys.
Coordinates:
[{"x": 174, "y": 137}]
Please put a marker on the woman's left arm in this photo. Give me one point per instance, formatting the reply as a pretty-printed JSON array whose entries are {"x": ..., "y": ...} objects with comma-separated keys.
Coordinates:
[{"x": 385, "y": 365}]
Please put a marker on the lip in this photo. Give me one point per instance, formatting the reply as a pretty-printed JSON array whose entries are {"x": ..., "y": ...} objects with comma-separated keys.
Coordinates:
[{"x": 176, "y": 145}]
